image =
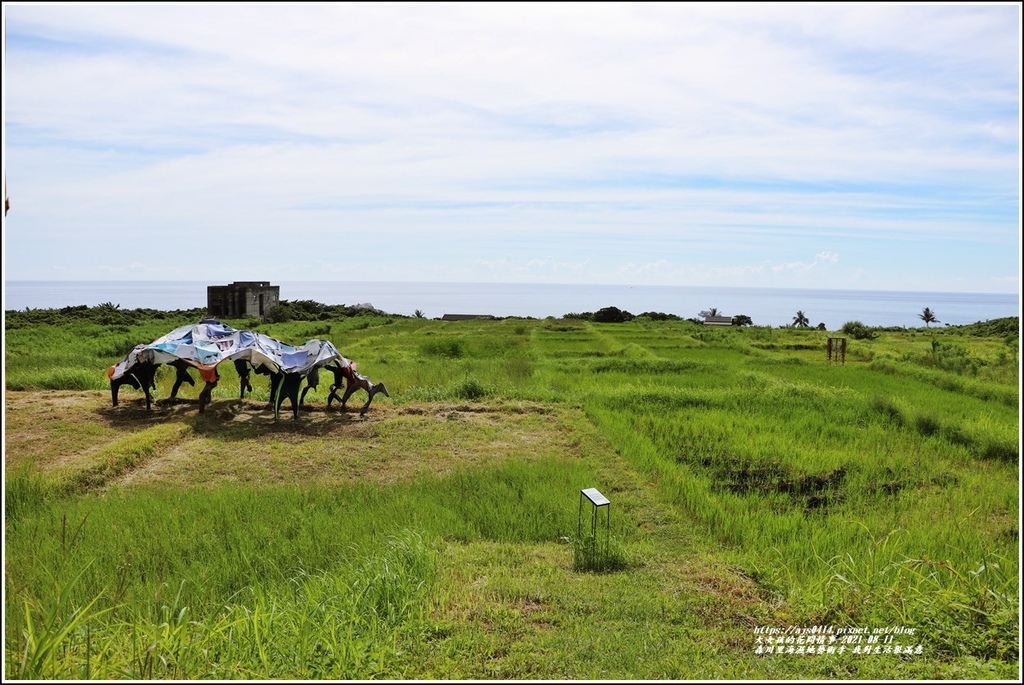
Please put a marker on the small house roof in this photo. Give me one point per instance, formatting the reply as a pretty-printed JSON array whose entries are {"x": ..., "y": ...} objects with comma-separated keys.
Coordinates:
[{"x": 465, "y": 317}]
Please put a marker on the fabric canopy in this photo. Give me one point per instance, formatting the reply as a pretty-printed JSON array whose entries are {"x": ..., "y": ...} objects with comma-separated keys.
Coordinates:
[{"x": 208, "y": 343}]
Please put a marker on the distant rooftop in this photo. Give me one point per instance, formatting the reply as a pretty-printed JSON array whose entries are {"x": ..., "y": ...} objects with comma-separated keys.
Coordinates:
[{"x": 465, "y": 317}]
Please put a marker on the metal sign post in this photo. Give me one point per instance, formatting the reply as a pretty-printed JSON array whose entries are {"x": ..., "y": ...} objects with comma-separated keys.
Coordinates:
[{"x": 597, "y": 500}]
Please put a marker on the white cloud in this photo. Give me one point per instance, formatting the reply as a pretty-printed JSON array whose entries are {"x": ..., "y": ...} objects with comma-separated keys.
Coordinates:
[
  {"x": 684, "y": 129},
  {"x": 826, "y": 257},
  {"x": 818, "y": 267}
]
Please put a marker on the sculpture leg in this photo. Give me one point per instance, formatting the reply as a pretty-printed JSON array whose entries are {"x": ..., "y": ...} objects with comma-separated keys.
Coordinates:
[
  {"x": 204, "y": 396},
  {"x": 275, "y": 387},
  {"x": 373, "y": 390},
  {"x": 181, "y": 376},
  {"x": 292, "y": 381},
  {"x": 242, "y": 369},
  {"x": 275, "y": 397},
  {"x": 115, "y": 386},
  {"x": 352, "y": 386},
  {"x": 145, "y": 373},
  {"x": 287, "y": 387}
]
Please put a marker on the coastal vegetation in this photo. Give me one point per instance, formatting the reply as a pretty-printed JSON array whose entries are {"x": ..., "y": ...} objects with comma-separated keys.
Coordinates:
[{"x": 762, "y": 495}]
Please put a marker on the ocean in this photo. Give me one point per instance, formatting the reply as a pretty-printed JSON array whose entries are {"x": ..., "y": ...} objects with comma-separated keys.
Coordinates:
[{"x": 765, "y": 306}]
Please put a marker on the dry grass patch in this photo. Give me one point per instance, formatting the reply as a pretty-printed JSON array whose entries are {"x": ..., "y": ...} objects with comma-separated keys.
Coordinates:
[
  {"x": 46, "y": 428},
  {"x": 238, "y": 441}
]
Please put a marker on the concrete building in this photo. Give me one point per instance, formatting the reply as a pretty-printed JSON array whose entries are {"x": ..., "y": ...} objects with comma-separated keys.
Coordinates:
[{"x": 242, "y": 299}]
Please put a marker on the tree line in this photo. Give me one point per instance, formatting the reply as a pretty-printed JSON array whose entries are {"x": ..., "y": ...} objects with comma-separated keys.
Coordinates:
[{"x": 109, "y": 313}]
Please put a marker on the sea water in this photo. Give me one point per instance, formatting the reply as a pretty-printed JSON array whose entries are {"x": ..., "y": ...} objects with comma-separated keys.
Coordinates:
[{"x": 765, "y": 306}]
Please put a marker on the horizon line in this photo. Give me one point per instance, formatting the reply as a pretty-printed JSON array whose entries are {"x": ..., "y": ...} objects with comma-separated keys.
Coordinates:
[{"x": 525, "y": 283}]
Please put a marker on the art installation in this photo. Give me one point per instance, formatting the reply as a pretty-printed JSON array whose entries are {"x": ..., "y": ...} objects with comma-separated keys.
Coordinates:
[{"x": 206, "y": 344}]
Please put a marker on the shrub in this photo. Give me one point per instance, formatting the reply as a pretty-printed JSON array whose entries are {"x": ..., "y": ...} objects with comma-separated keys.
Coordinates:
[
  {"x": 659, "y": 316},
  {"x": 858, "y": 331},
  {"x": 310, "y": 310},
  {"x": 954, "y": 358},
  {"x": 1008, "y": 326},
  {"x": 612, "y": 315},
  {"x": 742, "y": 320}
]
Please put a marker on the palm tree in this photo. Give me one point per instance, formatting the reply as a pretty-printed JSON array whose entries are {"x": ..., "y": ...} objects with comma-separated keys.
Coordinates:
[
  {"x": 928, "y": 316},
  {"x": 800, "y": 320}
]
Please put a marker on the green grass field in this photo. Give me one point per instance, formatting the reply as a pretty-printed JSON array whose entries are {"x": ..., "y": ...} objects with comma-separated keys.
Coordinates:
[{"x": 772, "y": 516}]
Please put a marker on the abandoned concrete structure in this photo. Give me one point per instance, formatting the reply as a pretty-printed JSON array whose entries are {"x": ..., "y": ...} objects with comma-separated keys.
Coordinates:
[{"x": 241, "y": 299}]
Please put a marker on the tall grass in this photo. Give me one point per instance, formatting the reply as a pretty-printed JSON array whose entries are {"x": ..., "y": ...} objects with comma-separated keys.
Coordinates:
[
  {"x": 162, "y": 562},
  {"x": 44, "y": 649},
  {"x": 339, "y": 624},
  {"x": 808, "y": 505}
]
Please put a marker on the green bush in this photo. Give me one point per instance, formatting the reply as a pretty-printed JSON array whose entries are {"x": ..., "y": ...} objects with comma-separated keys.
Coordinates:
[
  {"x": 858, "y": 331},
  {"x": 612, "y": 315}
]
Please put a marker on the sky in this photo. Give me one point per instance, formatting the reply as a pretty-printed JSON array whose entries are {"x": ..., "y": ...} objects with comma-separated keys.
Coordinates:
[{"x": 841, "y": 146}]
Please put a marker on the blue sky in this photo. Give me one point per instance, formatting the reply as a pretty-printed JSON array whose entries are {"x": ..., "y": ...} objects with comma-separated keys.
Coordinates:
[{"x": 857, "y": 146}]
